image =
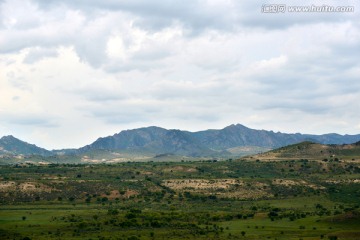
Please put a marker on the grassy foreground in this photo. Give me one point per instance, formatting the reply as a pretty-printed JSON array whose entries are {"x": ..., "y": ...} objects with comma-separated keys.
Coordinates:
[{"x": 288, "y": 199}]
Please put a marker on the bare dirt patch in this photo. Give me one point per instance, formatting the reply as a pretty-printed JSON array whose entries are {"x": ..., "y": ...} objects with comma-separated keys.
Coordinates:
[
  {"x": 33, "y": 187},
  {"x": 290, "y": 183},
  {"x": 25, "y": 187},
  {"x": 343, "y": 181},
  {"x": 224, "y": 188},
  {"x": 5, "y": 186},
  {"x": 180, "y": 184},
  {"x": 116, "y": 194}
]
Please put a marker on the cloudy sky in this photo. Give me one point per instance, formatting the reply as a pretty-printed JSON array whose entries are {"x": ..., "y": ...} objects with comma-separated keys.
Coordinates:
[{"x": 74, "y": 70}]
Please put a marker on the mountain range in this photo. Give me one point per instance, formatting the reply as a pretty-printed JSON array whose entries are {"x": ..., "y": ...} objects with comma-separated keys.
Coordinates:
[{"x": 233, "y": 140}]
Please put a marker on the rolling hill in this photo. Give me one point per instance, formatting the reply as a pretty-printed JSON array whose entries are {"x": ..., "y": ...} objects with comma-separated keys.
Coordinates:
[{"x": 311, "y": 150}]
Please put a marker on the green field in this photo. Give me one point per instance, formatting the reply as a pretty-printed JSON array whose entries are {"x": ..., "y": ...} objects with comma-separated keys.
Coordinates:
[{"x": 233, "y": 199}]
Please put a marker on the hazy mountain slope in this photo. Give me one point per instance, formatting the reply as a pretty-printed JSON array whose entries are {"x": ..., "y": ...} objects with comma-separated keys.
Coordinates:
[
  {"x": 239, "y": 135},
  {"x": 10, "y": 145},
  {"x": 153, "y": 140},
  {"x": 333, "y": 138}
]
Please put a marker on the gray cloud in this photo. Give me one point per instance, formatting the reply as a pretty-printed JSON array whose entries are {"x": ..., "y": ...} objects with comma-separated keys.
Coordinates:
[
  {"x": 39, "y": 54},
  {"x": 29, "y": 120},
  {"x": 88, "y": 25},
  {"x": 200, "y": 15},
  {"x": 191, "y": 65},
  {"x": 155, "y": 15}
]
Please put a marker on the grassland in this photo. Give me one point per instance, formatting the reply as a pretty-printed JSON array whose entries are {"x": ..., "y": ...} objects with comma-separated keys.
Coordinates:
[{"x": 232, "y": 199}]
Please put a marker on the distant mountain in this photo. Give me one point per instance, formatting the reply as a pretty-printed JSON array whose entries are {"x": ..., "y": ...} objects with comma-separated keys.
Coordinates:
[
  {"x": 10, "y": 145},
  {"x": 158, "y": 140},
  {"x": 234, "y": 140},
  {"x": 239, "y": 135},
  {"x": 153, "y": 140}
]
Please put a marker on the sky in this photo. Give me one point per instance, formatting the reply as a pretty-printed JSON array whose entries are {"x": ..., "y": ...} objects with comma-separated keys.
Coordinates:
[{"x": 74, "y": 70}]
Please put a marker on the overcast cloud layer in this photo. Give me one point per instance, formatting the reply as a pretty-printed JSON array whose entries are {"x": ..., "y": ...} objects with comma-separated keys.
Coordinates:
[{"x": 73, "y": 70}]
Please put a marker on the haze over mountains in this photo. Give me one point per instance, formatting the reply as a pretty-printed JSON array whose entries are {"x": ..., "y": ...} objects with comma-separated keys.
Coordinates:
[{"x": 233, "y": 140}]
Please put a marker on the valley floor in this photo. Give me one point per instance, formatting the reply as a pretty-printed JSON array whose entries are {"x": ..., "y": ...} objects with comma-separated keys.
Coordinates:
[{"x": 233, "y": 199}]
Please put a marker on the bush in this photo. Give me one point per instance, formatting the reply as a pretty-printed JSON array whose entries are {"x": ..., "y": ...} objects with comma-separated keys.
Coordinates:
[{"x": 133, "y": 238}]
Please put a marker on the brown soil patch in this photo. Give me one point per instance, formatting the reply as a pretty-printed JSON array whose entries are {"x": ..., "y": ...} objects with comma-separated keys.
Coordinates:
[
  {"x": 343, "y": 181},
  {"x": 33, "y": 187},
  {"x": 116, "y": 194},
  {"x": 290, "y": 183},
  {"x": 26, "y": 187},
  {"x": 178, "y": 184},
  {"x": 5, "y": 186},
  {"x": 130, "y": 193},
  {"x": 223, "y": 188}
]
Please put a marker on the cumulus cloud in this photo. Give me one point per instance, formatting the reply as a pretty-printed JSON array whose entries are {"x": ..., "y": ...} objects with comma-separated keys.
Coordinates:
[
  {"x": 37, "y": 54},
  {"x": 28, "y": 119},
  {"x": 72, "y": 65},
  {"x": 198, "y": 15}
]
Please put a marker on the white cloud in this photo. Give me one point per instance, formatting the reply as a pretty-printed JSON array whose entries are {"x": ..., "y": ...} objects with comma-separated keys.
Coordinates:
[
  {"x": 73, "y": 71},
  {"x": 38, "y": 54}
]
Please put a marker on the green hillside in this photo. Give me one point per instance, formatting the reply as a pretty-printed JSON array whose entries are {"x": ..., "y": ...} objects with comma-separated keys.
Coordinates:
[{"x": 311, "y": 150}]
